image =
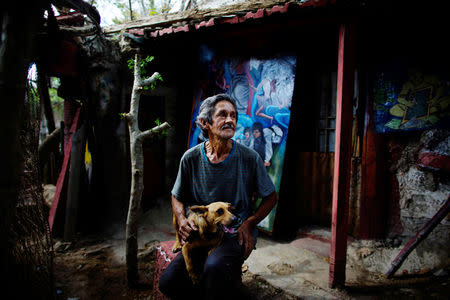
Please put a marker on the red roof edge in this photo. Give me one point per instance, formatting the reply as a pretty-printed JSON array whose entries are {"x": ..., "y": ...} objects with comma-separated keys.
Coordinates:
[{"x": 234, "y": 18}]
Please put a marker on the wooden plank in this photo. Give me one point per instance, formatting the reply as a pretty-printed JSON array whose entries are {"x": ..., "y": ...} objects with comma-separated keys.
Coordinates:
[
  {"x": 372, "y": 211},
  {"x": 342, "y": 162},
  {"x": 63, "y": 173}
]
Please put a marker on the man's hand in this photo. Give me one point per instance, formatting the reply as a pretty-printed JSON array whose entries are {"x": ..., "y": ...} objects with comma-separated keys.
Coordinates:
[
  {"x": 185, "y": 228},
  {"x": 245, "y": 237},
  {"x": 245, "y": 230}
]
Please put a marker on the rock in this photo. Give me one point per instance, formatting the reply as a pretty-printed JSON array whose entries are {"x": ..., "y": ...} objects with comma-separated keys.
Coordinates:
[
  {"x": 364, "y": 252},
  {"x": 97, "y": 251},
  {"x": 440, "y": 273},
  {"x": 146, "y": 253},
  {"x": 281, "y": 268},
  {"x": 62, "y": 247}
]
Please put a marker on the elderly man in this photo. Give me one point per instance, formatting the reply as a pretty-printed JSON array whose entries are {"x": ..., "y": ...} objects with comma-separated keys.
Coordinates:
[{"x": 218, "y": 169}]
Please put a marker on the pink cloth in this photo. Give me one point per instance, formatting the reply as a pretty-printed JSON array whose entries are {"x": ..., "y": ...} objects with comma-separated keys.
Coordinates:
[{"x": 164, "y": 256}]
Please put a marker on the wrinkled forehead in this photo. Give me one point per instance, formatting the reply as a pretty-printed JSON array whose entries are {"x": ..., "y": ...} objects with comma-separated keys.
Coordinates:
[{"x": 224, "y": 105}]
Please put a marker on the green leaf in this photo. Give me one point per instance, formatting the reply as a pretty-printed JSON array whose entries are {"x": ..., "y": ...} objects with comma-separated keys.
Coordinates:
[
  {"x": 130, "y": 64},
  {"x": 158, "y": 122}
]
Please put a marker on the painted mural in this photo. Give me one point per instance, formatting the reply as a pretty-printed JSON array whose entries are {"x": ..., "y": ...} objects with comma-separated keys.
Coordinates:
[
  {"x": 408, "y": 98},
  {"x": 263, "y": 90}
]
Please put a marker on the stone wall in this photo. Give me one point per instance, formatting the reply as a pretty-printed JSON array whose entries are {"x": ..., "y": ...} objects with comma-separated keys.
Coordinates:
[
  {"x": 420, "y": 185},
  {"x": 423, "y": 184}
]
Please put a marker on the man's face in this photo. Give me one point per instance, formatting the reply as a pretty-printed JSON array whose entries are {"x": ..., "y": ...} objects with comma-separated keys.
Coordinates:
[{"x": 223, "y": 120}]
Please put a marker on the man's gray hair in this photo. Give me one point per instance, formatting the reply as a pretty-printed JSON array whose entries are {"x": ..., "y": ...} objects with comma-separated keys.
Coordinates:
[{"x": 207, "y": 108}]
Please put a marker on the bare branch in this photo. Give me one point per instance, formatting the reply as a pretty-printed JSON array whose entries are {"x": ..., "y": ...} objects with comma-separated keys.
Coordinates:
[
  {"x": 150, "y": 80},
  {"x": 154, "y": 130}
]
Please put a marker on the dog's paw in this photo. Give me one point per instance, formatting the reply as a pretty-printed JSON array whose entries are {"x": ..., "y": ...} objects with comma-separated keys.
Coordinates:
[
  {"x": 195, "y": 279},
  {"x": 176, "y": 248}
]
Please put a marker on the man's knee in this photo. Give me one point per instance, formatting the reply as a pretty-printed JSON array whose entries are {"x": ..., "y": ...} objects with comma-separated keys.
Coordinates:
[
  {"x": 165, "y": 283},
  {"x": 218, "y": 273}
]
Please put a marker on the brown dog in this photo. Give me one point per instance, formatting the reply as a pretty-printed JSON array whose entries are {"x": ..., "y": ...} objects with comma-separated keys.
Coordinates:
[{"x": 208, "y": 219}]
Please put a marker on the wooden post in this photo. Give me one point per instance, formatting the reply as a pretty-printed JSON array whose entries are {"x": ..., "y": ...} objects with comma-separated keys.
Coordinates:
[
  {"x": 341, "y": 180},
  {"x": 74, "y": 184},
  {"x": 373, "y": 204}
]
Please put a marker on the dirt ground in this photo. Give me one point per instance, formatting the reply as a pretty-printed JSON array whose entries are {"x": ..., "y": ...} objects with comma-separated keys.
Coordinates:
[{"x": 88, "y": 269}]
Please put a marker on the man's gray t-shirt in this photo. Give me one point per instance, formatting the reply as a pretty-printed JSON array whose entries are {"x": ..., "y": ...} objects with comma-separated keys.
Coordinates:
[{"x": 234, "y": 180}]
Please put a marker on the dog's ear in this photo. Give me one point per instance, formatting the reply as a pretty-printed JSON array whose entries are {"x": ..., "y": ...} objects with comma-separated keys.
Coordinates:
[
  {"x": 199, "y": 208},
  {"x": 231, "y": 208}
]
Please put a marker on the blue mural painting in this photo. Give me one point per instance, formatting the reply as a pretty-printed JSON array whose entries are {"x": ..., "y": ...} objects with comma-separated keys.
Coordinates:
[
  {"x": 263, "y": 90},
  {"x": 407, "y": 98}
]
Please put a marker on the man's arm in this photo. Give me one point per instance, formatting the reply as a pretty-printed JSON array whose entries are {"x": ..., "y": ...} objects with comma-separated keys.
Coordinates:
[
  {"x": 185, "y": 226},
  {"x": 245, "y": 230}
]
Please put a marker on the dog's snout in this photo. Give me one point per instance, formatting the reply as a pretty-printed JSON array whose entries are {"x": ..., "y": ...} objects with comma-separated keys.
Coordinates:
[{"x": 234, "y": 220}]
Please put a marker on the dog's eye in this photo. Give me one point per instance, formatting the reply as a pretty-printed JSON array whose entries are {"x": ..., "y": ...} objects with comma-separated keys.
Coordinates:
[{"x": 219, "y": 211}]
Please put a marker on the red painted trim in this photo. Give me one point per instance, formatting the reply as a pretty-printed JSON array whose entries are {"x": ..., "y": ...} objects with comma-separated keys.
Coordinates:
[
  {"x": 184, "y": 28},
  {"x": 136, "y": 31},
  {"x": 64, "y": 171},
  {"x": 341, "y": 180},
  {"x": 165, "y": 31},
  {"x": 259, "y": 14},
  {"x": 228, "y": 20},
  {"x": 208, "y": 23},
  {"x": 278, "y": 9},
  {"x": 251, "y": 15}
]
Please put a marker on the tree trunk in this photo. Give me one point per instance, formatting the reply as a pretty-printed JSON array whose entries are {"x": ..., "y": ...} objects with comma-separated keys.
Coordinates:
[
  {"x": 137, "y": 170},
  {"x": 18, "y": 28}
]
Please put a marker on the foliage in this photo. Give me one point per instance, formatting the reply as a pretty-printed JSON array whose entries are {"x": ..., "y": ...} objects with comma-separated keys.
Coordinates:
[
  {"x": 33, "y": 99},
  {"x": 56, "y": 101},
  {"x": 143, "y": 73},
  {"x": 143, "y": 69},
  {"x": 164, "y": 132},
  {"x": 141, "y": 9}
]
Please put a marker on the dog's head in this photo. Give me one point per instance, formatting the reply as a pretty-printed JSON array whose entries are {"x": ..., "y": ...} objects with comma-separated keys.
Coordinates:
[{"x": 216, "y": 213}]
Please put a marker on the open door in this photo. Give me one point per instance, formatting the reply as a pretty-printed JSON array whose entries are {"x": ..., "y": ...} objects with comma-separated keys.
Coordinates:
[{"x": 315, "y": 167}]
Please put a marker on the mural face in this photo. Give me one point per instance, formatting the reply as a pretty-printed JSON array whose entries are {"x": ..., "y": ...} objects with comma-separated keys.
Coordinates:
[
  {"x": 411, "y": 99},
  {"x": 263, "y": 91}
]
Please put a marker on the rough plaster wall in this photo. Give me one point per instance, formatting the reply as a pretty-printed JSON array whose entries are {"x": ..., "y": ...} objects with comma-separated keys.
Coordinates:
[{"x": 421, "y": 194}]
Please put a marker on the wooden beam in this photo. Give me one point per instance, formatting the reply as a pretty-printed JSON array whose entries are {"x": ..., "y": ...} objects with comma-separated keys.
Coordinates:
[
  {"x": 342, "y": 162},
  {"x": 63, "y": 173}
]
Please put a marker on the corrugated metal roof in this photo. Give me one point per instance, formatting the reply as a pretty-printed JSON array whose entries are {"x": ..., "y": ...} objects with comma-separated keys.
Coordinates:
[{"x": 185, "y": 22}]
